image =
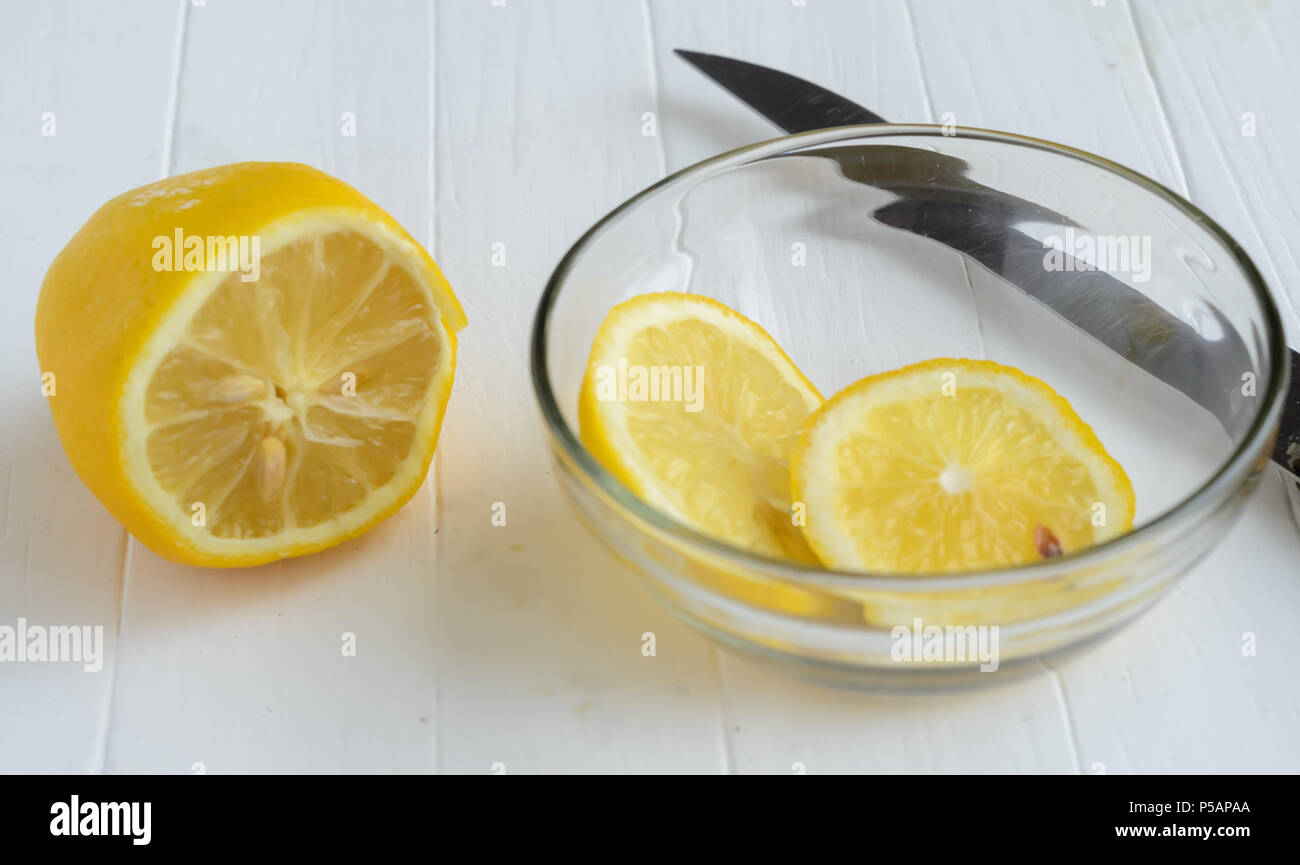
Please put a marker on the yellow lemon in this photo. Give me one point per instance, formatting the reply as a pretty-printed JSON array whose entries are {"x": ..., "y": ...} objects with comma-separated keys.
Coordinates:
[
  {"x": 953, "y": 465},
  {"x": 249, "y": 362},
  {"x": 695, "y": 408}
]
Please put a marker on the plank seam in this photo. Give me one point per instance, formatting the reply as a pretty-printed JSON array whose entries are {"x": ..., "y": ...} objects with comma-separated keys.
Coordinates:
[
  {"x": 1156, "y": 96},
  {"x": 929, "y": 116},
  {"x": 435, "y": 491},
  {"x": 726, "y": 755},
  {"x": 1067, "y": 717},
  {"x": 728, "y": 746},
  {"x": 1239, "y": 194},
  {"x": 653, "y": 57},
  {"x": 174, "y": 99},
  {"x": 100, "y": 758},
  {"x": 128, "y": 545},
  {"x": 920, "y": 63}
]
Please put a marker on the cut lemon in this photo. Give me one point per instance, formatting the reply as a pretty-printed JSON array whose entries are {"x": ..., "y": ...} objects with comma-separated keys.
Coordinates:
[
  {"x": 694, "y": 407},
  {"x": 953, "y": 465},
  {"x": 250, "y": 362}
]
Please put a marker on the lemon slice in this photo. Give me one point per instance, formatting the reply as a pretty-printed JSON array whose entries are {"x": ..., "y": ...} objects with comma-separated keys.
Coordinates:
[
  {"x": 953, "y": 465},
  {"x": 274, "y": 402},
  {"x": 695, "y": 407}
]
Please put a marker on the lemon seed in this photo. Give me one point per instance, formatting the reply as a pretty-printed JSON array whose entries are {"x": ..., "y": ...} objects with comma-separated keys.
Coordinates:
[
  {"x": 236, "y": 388},
  {"x": 269, "y": 468}
]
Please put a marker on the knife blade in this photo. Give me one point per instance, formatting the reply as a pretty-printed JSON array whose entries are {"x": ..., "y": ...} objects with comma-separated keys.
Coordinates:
[
  {"x": 793, "y": 104},
  {"x": 939, "y": 201}
]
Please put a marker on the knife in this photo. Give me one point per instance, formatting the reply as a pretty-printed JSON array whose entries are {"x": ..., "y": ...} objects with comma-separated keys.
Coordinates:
[{"x": 937, "y": 200}]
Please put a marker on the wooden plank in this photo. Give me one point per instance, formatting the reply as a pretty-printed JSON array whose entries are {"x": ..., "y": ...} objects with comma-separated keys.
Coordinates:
[
  {"x": 539, "y": 118},
  {"x": 866, "y": 52},
  {"x": 244, "y": 671},
  {"x": 85, "y": 95},
  {"x": 1195, "y": 695},
  {"x": 1089, "y": 85},
  {"x": 1225, "y": 80},
  {"x": 1067, "y": 72}
]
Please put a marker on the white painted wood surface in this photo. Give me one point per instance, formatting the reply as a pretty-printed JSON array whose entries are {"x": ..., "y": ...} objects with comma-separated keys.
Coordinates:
[{"x": 521, "y": 124}]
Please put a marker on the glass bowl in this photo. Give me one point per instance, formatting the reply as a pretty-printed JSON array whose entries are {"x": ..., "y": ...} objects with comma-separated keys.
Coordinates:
[{"x": 862, "y": 249}]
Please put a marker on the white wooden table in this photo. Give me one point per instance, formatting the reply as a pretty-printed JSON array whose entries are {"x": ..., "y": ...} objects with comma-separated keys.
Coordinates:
[{"x": 520, "y": 122}]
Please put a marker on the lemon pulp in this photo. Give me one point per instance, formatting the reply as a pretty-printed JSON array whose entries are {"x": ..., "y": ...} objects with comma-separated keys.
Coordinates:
[
  {"x": 719, "y": 462},
  {"x": 953, "y": 465},
  {"x": 288, "y": 399}
]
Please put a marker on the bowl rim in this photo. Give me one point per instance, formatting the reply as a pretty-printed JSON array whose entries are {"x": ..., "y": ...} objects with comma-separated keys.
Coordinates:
[{"x": 1229, "y": 476}]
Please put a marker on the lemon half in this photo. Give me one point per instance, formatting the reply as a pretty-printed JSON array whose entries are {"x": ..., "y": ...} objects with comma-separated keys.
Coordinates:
[{"x": 231, "y": 415}]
